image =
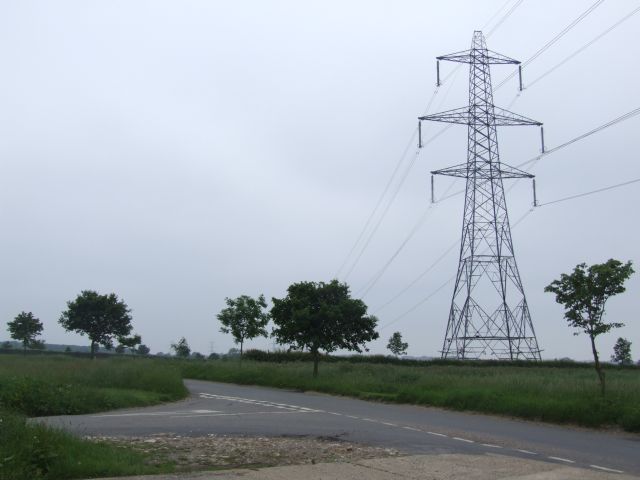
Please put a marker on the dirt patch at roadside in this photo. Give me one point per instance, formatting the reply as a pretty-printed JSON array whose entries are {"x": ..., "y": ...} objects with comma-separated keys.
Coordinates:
[{"x": 222, "y": 451}]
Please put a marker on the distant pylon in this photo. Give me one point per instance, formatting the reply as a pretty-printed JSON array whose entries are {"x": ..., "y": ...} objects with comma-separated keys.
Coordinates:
[{"x": 489, "y": 315}]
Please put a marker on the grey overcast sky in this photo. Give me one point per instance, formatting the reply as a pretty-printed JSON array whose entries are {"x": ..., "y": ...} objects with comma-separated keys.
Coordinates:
[{"x": 178, "y": 152}]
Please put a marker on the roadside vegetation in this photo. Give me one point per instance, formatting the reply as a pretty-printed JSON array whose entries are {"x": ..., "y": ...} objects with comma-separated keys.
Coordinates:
[
  {"x": 557, "y": 392},
  {"x": 56, "y": 385}
]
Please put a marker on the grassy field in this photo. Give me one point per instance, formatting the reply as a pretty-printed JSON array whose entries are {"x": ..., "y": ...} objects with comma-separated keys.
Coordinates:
[
  {"x": 54, "y": 385},
  {"x": 551, "y": 394},
  {"x": 58, "y": 384}
]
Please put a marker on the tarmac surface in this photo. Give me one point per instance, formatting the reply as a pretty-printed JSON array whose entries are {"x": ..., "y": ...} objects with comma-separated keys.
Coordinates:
[
  {"x": 423, "y": 467},
  {"x": 218, "y": 408}
]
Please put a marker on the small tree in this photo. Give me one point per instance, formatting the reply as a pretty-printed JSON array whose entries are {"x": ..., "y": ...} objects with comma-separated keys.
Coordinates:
[
  {"x": 396, "y": 345},
  {"x": 622, "y": 352},
  {"x": 244, "y": 318},
  {"x": 143, "y": 349},
  {"x": 322, "y": 316},
  {"x": 101, "y": 317},
  {"x": 584, "y": 294},
  {"x": 129, "y": 342},
  {"x": 181, "y": 348},
  {"x": 25, "y": 328}
]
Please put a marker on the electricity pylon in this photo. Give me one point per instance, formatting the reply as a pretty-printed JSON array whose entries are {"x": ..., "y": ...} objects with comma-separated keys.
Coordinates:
[{"x": 489, "y": 315}]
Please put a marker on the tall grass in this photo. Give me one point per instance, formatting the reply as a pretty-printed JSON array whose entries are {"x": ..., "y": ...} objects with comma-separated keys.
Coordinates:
[
  {"x": 36, "y": 452},
  {"x": 56, "y": 385},
  {"x": 559, "y": 395}
]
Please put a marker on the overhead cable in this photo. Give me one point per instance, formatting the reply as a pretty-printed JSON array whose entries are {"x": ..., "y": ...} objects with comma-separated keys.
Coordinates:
[
  {"x": 585, "y": 46},
  {"x": 558, "y": 36},
  {"x": 433, "y": 293},
  {"x": 591, "y": 192}
]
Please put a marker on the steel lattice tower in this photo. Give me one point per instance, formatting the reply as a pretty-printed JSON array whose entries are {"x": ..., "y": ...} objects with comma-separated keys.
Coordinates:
[{"x": 489, "y": 316}]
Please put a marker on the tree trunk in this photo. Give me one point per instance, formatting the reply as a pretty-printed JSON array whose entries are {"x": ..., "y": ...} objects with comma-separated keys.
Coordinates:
[
  {"x": 93, "y": 350},
  {"x": 24, "y": 345},
  {"x": 316, "y": 359},
  {"x": 597, "y": 364}
]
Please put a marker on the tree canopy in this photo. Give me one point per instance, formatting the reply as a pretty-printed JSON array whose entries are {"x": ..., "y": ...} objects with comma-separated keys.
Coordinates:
[
  {"x": 396, "y": 345},
  {"x": 622, "y": 352},
  {"x": 244, "y": 318},
  {"x": 584, "y": 293},
  {"x": 101, "y": 317},
  {"x": 25, "y": 328},
  {"x": 322, "y": 316},
  {"x": 181, "y": 348}
]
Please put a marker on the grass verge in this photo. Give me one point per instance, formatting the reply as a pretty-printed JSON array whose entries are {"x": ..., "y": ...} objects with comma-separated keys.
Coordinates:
[
  {"x": 47, "y": 385},
  {"x": 36, "y": 452},
  {"x": 550, "y": 394}
]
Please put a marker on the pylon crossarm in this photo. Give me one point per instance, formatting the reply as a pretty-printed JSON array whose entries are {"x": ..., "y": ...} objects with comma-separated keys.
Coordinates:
[
  {"x": 460, "y": 171},
  {"x": 469, "y": 56},
  {"x": 457, "y": 115},
  {"x": 506, "y": 118},
  {"x": 480, "y": 115},
  {"x": 507, "y": 171},
  {"x": 483, "y": 170}
]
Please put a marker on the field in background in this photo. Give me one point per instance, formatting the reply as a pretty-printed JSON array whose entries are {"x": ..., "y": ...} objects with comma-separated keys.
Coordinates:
[
  {"x": 554, "y": 392},
  {"x": 36, "y": 385},
  {"x": 55, "y": 385}
]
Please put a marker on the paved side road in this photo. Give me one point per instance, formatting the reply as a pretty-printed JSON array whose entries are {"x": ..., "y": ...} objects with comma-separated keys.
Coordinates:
[
  {"x": 217, "y": 408},
  {"x": 440, "y": 467}
]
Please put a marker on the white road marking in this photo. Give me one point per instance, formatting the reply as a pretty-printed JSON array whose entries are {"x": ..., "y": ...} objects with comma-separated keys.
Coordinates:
[
  {"x": 613, "y": 470},
  {"x": 560, "y": 459},
  {"x": 411, "y": 428},
  {"x": 437, "y": 434},
  {"x": 335, "y": 413},
  {"x": 490, "y": 445},
  {"x": 463, "y": 440},
  {"x": 154, "y": 414},
  {"x": 236, "y": 414},
  {"x": 525, "y": 451},
  {"x": 262, "y": 403},
  {"x": 351, "y": 416},
  {"x": 389, "y": 424},
  {"x": 369, "y": 420}
]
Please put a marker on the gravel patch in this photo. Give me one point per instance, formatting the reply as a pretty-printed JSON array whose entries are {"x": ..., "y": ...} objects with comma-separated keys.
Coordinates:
[{"x": 223, "y": 451}]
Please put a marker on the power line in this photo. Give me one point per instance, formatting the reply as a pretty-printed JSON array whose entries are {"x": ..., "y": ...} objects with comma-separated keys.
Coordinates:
[
  {"x": 433, "y": 293},
  {"x": 397, "y": 188},
  {"x": 419, "y": 277},
  {"x": 384, "y": 193},
  {"x": 591, "y": 192},
  {"x": 621, "y": 118},
  {"x": 372, "y": 281},
  {"x": 506, "y": 15},
  {"x": 585, "y": 46},
  {"x": 396, "y": 169},
  {"x": 547, "y": 45},
  {"x": 615, "y": 121}
]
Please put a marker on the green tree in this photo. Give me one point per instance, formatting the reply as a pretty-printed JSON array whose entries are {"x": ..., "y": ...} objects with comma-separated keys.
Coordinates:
[
  {"x": 322, "y": 316},
  {"x": 181, "y": 348},
  {"x": 396, "y": 345},
  {"x": 25, "y": 328},
  {"x": 129, "y": 342},
  {"x": 143, "y": 349},
  {"x": 101, "y": 317},
  {"x": 622, "y": 352},
  {"x": 244, "y": 318},
  {"x": 584, "y": 294}
]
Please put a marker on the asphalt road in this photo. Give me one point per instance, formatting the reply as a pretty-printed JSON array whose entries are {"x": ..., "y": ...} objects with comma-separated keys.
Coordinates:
[{"x": 218, "y": 408}]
